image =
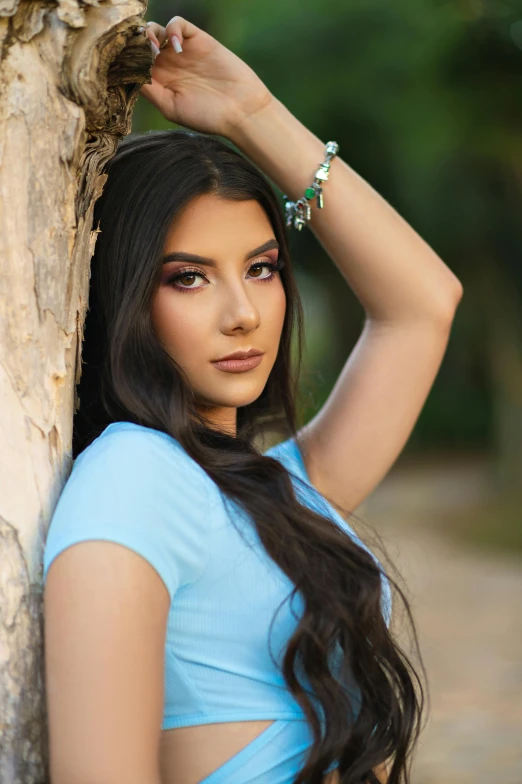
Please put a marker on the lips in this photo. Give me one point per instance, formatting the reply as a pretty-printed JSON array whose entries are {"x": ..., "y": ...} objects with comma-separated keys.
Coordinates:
[
  {"x": 252, "y": 352},
  {"x": 239, "y": 361}
]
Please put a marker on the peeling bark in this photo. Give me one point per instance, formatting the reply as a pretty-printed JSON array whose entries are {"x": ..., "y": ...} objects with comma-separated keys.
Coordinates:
[{"x": 70, "y": 74}]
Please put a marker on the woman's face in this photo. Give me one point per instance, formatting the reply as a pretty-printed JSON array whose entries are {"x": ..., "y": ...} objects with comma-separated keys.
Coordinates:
[{"x": 228, "y": 300}]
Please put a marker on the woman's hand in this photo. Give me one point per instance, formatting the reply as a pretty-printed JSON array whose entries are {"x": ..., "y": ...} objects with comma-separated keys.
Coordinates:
[{"x": 205, "y": 86}]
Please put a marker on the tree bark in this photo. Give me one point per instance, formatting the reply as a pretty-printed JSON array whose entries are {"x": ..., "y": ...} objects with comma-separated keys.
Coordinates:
[{"x": 70, "y": 74}]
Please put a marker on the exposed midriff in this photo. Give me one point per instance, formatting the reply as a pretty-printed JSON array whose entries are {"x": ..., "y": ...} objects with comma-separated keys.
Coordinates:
[{"x": 189, "y": 754}]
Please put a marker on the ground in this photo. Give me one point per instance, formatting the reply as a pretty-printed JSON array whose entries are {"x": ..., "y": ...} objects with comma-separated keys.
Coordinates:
[{"x": 468, "y": 608}]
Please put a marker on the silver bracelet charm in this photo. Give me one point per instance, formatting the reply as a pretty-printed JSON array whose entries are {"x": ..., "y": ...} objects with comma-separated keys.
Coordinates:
[{"x": 299, "y": 212}]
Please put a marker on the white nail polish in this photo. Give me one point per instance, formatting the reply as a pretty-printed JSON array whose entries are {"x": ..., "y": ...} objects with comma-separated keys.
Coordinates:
[
  {"x": 155, "y": 50},
  {"x": 176, "y": 44}
]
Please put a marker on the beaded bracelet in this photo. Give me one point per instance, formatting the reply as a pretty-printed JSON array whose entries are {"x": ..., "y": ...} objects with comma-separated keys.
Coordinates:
[{"x": 299, "y": 212}]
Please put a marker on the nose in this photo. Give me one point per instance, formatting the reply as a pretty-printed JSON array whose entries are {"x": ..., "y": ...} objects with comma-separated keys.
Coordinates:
[{"x": 239, "y": 313}]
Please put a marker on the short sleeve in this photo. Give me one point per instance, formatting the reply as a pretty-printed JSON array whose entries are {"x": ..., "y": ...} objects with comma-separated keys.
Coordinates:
[
  {"x": 138, "y": 488},
  {"x": 289, "y": 455}
]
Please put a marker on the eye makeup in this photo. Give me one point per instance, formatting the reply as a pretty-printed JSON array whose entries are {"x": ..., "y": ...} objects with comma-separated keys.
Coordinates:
[{"x": 169, "y": 278}]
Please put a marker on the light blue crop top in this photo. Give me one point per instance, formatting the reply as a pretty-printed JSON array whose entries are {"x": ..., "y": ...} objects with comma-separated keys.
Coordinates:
[{"x": 138, "y": 487}]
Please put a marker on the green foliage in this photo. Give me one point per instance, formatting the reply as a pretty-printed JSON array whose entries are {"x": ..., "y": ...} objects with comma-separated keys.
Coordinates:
[{"x": 424, "y": 97}]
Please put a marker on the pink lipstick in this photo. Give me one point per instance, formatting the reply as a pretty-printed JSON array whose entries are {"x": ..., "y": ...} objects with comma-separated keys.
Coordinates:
[{"x": 239, "y": 361}]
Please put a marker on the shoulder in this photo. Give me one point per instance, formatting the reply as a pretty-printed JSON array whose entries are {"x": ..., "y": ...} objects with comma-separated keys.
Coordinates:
[
  {"x": 137, "y": 459},
  {"x": 128, "y": 443},
  {"x": 137, "y": 486},
  {"x": 130, "y": 464}
]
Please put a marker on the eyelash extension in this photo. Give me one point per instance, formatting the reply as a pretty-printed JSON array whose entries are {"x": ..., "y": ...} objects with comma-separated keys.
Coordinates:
[{"x": 277, "y": 267}]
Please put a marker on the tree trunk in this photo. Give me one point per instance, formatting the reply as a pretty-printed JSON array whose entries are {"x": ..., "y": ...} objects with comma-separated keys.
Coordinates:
[{"x": 70, "y": 73}]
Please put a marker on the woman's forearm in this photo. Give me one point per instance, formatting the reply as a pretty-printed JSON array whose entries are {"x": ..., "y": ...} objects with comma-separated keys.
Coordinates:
[{"x": 395, "y": 275}]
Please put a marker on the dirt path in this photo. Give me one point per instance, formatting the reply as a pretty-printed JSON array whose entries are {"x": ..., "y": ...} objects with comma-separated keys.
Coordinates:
[{"x": 468, "y": 608}]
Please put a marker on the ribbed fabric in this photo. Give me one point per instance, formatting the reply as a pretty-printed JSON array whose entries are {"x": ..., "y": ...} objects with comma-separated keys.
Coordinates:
[{"x": 138, "y": 487}]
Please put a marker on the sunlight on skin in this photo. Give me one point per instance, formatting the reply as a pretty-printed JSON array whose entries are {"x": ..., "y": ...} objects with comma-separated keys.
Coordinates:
[{"x": 210, "y": 312}]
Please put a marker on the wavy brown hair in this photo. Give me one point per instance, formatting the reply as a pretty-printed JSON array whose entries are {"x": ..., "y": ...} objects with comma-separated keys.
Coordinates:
[{"x": 128, "y": 375}]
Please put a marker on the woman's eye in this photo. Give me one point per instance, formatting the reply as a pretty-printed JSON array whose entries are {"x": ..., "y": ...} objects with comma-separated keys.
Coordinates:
[
  {"x": 186, "y": 280},
  {"x": 256, "y": 270},
  {"x": 191, "y": 279}
]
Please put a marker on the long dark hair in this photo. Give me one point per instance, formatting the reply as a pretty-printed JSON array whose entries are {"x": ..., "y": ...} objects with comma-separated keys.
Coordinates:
[{"x": 127, "y": 375}]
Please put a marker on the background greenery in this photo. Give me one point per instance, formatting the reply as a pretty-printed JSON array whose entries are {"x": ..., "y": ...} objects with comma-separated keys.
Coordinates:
[{"x": 424, "y": 97}]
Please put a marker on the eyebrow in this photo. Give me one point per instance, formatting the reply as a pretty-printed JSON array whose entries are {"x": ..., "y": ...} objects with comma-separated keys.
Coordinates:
[{"x": 193, "y": 258}]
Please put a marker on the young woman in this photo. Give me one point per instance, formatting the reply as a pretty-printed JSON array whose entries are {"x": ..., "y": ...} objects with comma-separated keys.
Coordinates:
[{"x": 217, "y": 619}]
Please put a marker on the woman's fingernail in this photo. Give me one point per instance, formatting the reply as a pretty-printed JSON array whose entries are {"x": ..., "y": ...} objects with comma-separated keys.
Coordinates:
[
  {"x": 155, "y": 50},
  {"x": 176, "y": 44}
]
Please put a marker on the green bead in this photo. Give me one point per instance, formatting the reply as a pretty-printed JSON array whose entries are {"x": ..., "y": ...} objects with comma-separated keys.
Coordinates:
[{"x": 309, "y": 193}]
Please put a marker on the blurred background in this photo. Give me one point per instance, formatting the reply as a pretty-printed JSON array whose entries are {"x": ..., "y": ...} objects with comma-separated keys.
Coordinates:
[{"x": 425, "y": 100}]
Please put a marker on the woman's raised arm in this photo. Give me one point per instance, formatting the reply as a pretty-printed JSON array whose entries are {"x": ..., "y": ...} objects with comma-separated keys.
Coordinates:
[{"x": 409, "y": 295}]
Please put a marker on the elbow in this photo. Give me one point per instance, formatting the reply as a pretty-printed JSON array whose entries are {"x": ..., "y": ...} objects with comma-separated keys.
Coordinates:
[
  {"x": 449, "y": 301},
  {"x": 457, "y": 292}
]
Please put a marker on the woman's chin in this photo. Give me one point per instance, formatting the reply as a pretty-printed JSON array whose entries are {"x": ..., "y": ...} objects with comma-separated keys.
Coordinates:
[{"x": 237, "y": 399}]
